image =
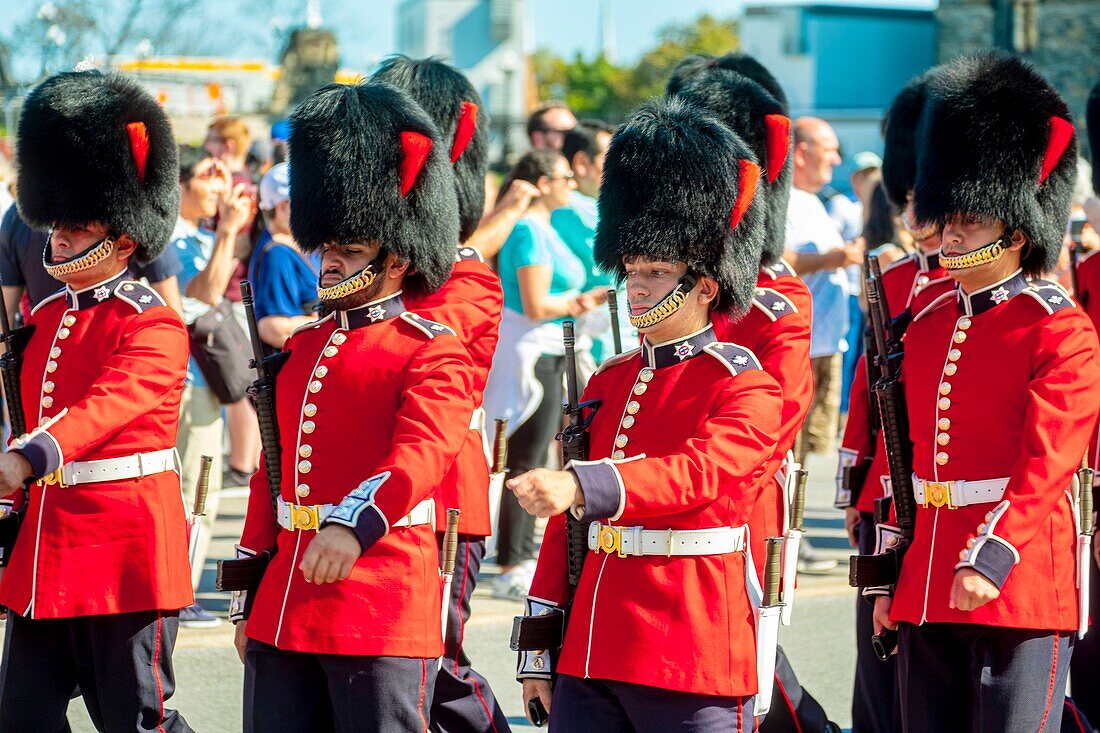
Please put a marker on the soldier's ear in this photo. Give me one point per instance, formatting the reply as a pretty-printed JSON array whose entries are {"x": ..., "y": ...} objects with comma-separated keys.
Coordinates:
[
  {"x": 707, "y": 290},
  {"x": 1017, "y": 240}
]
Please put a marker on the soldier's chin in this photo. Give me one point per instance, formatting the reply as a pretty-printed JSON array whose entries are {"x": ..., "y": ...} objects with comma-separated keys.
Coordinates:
[{"x": 356, "y": 299}]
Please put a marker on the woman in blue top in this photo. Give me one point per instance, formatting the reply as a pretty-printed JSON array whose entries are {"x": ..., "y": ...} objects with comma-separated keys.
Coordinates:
[{"x": 543, "y": 283}]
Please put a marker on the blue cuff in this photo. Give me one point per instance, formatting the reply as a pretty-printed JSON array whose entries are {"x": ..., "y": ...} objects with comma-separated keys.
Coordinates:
[
  {"x": 603, "y": 491},
  {"x": 42, "y": 452},
  {"x": 359, "y": 513},
  {"x": 993, "y": 558}
]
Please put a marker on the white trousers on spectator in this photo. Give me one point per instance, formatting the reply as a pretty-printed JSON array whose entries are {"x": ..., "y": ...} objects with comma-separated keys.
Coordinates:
[{"x": 200, "y": 434}]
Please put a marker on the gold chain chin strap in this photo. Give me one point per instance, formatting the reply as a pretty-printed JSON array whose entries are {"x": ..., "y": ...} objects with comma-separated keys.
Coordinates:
[
  {"x": 90, "y": 258},
  {"x": 988, "y": 253},
  {"x": 344, "y": 288},
  {"x": 662, "y": 310}
]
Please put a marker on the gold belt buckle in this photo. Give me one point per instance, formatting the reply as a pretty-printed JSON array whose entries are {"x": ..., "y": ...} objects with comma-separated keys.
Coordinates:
[
  {"x": 610, "y": 539},
  {"x": 938, "y": 494},
  {"x": 304, "y": 517},
  {"x": 51, "y": 479}
]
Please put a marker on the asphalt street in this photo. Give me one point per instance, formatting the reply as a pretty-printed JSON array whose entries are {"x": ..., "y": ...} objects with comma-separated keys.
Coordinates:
[{"x": 819, "y": 642}]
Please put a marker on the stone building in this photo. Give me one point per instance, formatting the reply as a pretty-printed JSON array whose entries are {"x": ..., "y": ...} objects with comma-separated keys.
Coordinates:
[{"x": 1061, "y": 37}]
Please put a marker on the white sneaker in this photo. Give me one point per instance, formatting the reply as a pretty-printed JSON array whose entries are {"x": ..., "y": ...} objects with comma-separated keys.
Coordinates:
[{"x": 515, "y": 584}]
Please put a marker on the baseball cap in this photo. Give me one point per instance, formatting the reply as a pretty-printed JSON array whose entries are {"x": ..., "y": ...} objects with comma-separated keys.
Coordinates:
[
  {"x": 275, "y": 186},
  {"x": 865, "y": 160}
]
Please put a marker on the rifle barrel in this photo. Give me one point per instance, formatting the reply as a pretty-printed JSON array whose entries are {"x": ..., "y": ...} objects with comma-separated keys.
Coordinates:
[{"x": 572, "y": 391}]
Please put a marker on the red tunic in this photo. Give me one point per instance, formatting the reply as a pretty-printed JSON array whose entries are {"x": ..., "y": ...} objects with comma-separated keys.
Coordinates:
[
  {"x": 1000, "y": 384},
  {"x": 777, "y": 330},
  {"x": 470, "y": 303},
  {"x": 115, "y": 357},
  {"x": 909, "y": 284},
  {"x": 1088, "y": 282},
  {"x": 359, "y": 399},
  {"x": 699, "y": 427}
]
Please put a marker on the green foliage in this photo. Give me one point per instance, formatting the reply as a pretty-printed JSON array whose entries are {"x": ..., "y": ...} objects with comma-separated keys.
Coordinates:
[{"x": 598, "y": 88}]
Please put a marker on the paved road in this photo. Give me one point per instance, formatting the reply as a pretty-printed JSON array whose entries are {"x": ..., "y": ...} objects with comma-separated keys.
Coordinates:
[{"x": 819, "y": 643}]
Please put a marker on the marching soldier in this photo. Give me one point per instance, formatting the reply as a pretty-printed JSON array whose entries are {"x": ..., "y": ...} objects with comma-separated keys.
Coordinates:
[
  {"x": 1000, "y": 379},
  {"x": 678, "y": 450},
  {"x": 908, "y": 285},
  {"x": 99, "y": 570},
  {"x": 470, "y": 301},
  {"x": 373, "y": 405}
]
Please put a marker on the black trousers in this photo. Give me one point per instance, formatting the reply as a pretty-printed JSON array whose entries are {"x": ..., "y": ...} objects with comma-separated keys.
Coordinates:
[
  {"x": 295, "y": 692},
  {"x": 605, "y": 706},
  {"x": 529, "y": 448},
  {"x": 122, "y": 663},
  {"x": 793, "y": 708},
  {"x": 463, "y": 701},
  {"x": 958, "y": 677},
  {"x": 875, "y": 704},
  {"x": 1084, "y": 671}
]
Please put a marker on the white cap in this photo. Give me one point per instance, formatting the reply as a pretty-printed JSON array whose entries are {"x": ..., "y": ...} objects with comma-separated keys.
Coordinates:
[{"x": 275, "y": 186}]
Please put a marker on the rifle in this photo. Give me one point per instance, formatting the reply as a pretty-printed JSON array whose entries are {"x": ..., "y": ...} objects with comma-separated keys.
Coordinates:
[
  {"x": 11, "y": 367},
  {"x": 613, "y": 307},
  {"x": 882, "y": 569},
  {"x": 574, "y": 447},
  {"x": 245, "y": 573}
]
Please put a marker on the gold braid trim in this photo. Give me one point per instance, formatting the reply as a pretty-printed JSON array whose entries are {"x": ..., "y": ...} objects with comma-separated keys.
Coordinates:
[
  {"x": 988, "y": 253},
  {"x": 662, "y": 310},
  {"x": 346, "y": 287},
  {"x": 91, "y": 258}
]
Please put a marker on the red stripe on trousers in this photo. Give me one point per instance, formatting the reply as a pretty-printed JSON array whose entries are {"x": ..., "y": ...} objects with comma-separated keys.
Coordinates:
[{"x": 1050, "y": 687}]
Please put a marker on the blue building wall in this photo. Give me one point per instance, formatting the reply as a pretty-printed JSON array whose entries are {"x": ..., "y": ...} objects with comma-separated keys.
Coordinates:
[{"x": 865, "y": 55}]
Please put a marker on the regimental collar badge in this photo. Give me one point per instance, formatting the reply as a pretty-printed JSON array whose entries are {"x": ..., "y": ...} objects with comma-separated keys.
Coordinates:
[
  {"x": 94, "y": 294},
  {"x": 373, "y": 312},
  {"x": 101, "y": 293},
  {"x": 678, "y": 350},
  {"x": 990, "y": 297}
]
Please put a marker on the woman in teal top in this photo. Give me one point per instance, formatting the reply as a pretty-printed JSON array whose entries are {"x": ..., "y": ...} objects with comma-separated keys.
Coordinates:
[{"x": 543, "y": 283}]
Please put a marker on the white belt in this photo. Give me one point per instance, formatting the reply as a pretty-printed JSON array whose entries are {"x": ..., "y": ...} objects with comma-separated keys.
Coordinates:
[
  {"x": 119, "y": 469},
  {"x": 953, "y": 494},
  {"x": 477, "y": 420},
  {"x": 310, "y": 516},
  {"x": 634, "y": 541}
]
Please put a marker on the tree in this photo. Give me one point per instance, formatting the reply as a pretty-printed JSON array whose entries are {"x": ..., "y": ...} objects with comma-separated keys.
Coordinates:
[{"x": 598, "y": 88}]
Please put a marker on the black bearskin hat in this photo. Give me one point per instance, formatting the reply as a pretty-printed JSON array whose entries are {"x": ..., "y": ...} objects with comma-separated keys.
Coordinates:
[
  {"x": 741, "y": 63},
  {"x": 367, "y": 164},
  {"x": 899, "y": 132},
  {"x": 997, "y": 140},
  {"x": 680, "y": 186},
  {"x": 97, "y": 147},
  {"x": 1092, "y": 120},
  {"x": 759, "y": 119},
  {"x": 452, "y": 102}
]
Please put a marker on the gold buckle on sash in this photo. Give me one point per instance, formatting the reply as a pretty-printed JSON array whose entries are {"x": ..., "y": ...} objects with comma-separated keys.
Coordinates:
[
  {"x": 938, "y": 494},
  {"x": 610, "y": 539},
  {"x": 304, "y": 517}
]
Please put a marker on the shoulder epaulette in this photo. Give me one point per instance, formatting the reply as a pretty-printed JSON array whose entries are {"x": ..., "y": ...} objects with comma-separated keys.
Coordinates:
[
  {"x": 1051, "y": 296},
  {"x": 774, "y": 304},
  {"x": 735, "y": 358},
  {"x": 947, "y": 297},
  {"x": 779, "y": 269},
  {"x": 313, "y": 324},
  {"x": 431, "y": 329},
  {"x": 140, "y": 296},
  {"x": 468, "y": 253},
  {"x": 48, "y": 299},
  {"x": 617, "y": 359}
]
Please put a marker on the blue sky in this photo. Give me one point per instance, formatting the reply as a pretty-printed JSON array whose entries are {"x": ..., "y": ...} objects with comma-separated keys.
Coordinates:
[{"x": 366, "y": 27}]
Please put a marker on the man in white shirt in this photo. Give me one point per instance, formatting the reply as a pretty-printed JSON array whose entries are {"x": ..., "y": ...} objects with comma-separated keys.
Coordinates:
[{"x": 818, "y": 253}]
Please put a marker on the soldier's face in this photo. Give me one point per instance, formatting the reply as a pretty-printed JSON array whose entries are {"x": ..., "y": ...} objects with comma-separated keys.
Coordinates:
[
  {"x": 925, "y": 235},
  {"x": 649, "y": 281},
  {"x": 67, "y": 242},
  {"x": 341, "y": 261},
  {"x": 964, "y": 233}
]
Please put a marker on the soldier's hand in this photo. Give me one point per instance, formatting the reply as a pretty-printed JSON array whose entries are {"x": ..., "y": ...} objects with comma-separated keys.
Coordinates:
[
  {"x": 239, "y": 639},
  {"x": 851, "y": 525},
  {"x": 882, "y": 614},
  {"x": 331, "y": 555},
  {"x": 533, "y": 689},
  {"x": 971, "y": 590},
  {"x": 14, "y": 470},
  {"x": 546, "y": 493}
]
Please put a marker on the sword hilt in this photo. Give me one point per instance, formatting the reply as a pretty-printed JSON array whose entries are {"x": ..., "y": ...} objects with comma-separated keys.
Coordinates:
[
  {"x": 500, "y": 445},
  {"x": 1084, "y": 478},
  {"x": 450, "y": 541},
  {"x": 202, "y": 486},
  {"x": 798, "y": 501},
  {"x": 772, "y": 570}
]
